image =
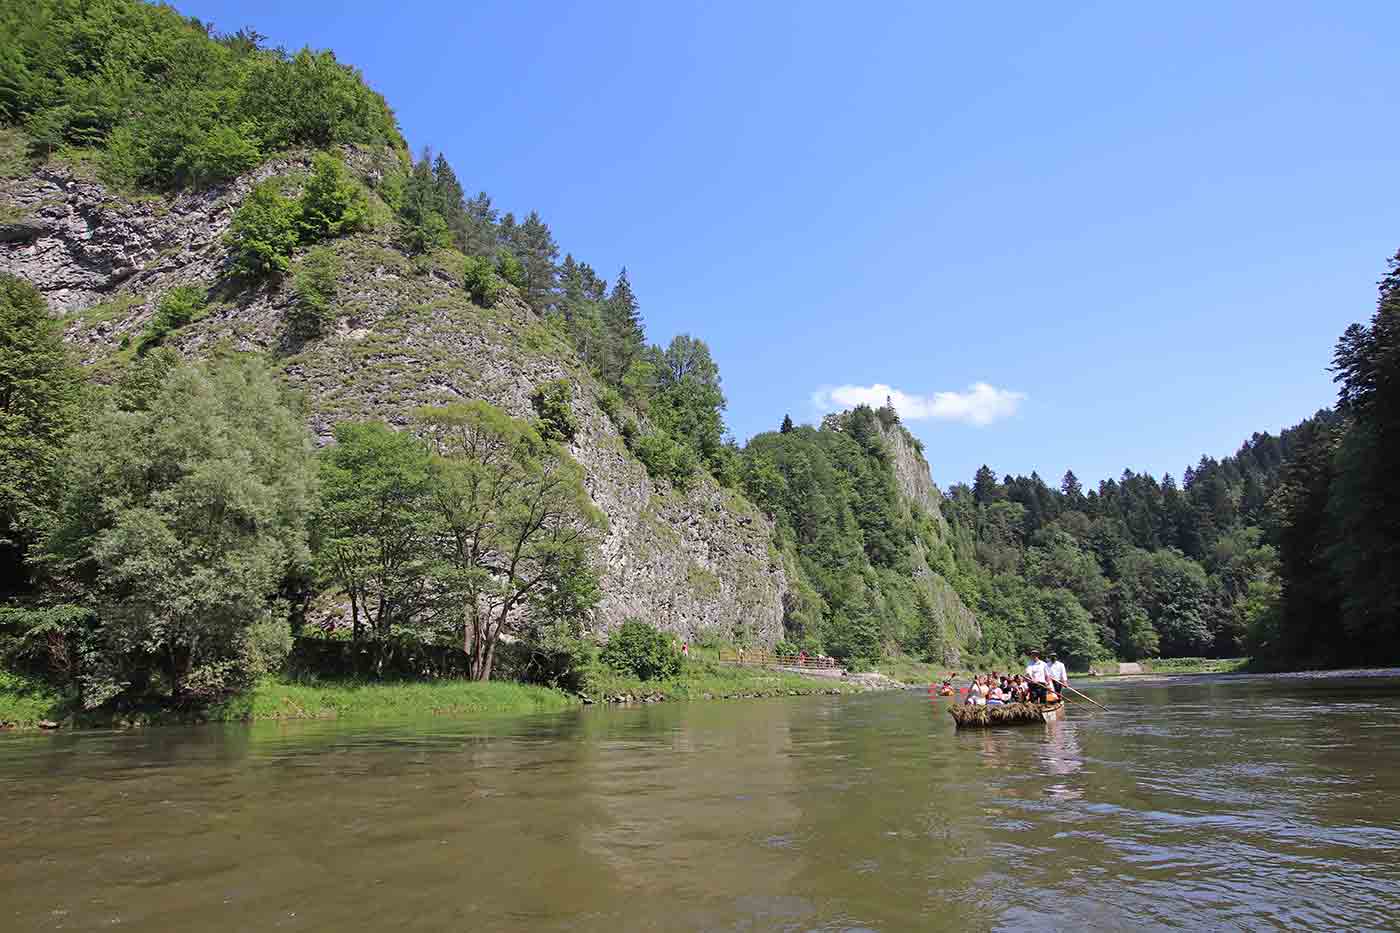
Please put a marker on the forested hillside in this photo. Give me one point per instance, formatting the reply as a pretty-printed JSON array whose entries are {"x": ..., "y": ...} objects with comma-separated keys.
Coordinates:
[
  {"x": 872, "y": 559},
  {"x": 1137, "y": 568}
]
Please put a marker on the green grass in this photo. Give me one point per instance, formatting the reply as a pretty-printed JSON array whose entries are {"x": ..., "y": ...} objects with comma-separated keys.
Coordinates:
[
  {"x": 907, "y": 670},
  {"x": 24, "y": 702},
  {"x": 14, "y": 153},
  {"x": 279, "y": 699},
  {"x": 1177, "y": 666},
  {"x": 107, "y": 311},
  {"x": 710, "y": 680},
  {"x": 1195, "y": 665}
]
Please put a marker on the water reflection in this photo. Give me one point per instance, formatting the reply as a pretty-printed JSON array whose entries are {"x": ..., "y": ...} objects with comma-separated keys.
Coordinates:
[{"x": 1207, "y": 803}]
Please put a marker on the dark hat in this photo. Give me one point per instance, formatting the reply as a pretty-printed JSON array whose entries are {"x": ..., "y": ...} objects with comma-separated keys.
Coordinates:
[
  {"x": 1054, "y": 656},
  {"x": 1034, "y": 653}
]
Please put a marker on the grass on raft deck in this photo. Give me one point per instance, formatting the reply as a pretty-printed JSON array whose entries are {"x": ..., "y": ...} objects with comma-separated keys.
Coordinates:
[{"x": 1010, "y": 714}]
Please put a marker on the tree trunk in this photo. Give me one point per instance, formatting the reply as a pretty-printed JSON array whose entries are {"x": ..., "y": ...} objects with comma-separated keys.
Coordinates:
[
  {"x": 490, "y": 658},
  {"x": 178, "y": 666}
]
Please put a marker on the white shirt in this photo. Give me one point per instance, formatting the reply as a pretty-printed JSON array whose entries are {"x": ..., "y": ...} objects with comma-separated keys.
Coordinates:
[
  {"x": 1058, "y": 673},
  {"x": 1037, "y": 672}
]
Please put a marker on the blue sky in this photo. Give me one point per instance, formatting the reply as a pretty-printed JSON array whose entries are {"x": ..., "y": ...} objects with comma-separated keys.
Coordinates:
[{"x": 1138, "y": 229}]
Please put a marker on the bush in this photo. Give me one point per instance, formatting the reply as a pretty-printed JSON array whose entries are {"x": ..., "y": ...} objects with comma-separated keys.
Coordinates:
[
  {"x": 642, "y": 651},
  {"x": 611, "y": 403},
  {"x": 481, "y": 281},
  {"x": 264, "y": 232},
  {"x": 332, "y": 203},
  {"x": 315, "y": 286},
  {"x": 221, "y": 153},
  {"x": 424, "y": 233},
  {"x": 666, "y": 459},
  {"x": 553, "y": 404},
  {"x": 510, "y": 269},
  {"x": 178, "y": 307}
]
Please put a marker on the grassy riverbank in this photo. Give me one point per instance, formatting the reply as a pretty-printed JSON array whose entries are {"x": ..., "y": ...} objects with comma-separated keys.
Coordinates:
[
  {"x": 709, "y": 680},
  {"x": 1179, "y": 666},
  {"x": 26, "y": 702}
]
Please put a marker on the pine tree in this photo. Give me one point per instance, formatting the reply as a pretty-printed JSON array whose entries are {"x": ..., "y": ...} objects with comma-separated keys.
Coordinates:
[
  {"x": 537, "y": 253},
  {"x": 984, "y": 486},
  {"x": 508, "y": 235},
  {"x": 1070, "y": 487},
  {"x": 480, "y": 237},
  {"x": 787, "y": 425},
  {"x": 423, "y": 226},
  {"x": 622, "y": 330},
  {"x": 450, "y": 201}
]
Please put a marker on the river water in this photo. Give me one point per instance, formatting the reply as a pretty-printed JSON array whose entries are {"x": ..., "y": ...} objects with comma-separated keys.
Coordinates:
[{"x": 1205, "y": 802}]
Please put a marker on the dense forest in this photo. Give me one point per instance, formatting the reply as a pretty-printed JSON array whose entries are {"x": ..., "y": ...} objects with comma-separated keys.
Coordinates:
[
  {"x": 186, "y": 559},
  {"x": 1156, "y": 567}
]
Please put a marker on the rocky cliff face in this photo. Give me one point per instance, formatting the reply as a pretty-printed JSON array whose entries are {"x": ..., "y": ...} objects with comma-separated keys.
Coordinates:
[
  {"x": 912, "y": 473},
  {"x": 407, "y": 335}
]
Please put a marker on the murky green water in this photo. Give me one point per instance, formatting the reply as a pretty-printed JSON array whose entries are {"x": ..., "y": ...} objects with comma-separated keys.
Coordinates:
[{"x": 1216, "y": 803}]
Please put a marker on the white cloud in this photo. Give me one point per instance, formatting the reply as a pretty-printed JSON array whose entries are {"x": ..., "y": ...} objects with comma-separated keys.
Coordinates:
[{"x": 980, "y": 405}]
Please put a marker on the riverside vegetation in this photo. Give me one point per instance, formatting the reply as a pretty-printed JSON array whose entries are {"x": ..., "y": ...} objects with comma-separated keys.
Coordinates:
[{"x": 170, "y": 536}]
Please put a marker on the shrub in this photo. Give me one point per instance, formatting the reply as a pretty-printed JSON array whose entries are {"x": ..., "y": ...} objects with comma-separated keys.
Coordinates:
[
  {"x": 424, "y": 234},
  {"x": 332, "y": 203},
  {"x": 178, "y": 307},
  {"x": 221, "y": 153},
  {"x": 611, "y": 403},
  {"x": 481, "y": 281},
  {"x": 666, "y": 459},
  {"x": 642, "y": 651},
  {"x": 264, "y": 232},
  {"x": 553, "y": 404},
  {"x": 315, "y": 286},
  {"x": 510, "y": 269}
]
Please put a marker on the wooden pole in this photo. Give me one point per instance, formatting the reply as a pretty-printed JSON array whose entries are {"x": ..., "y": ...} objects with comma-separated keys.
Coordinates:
[{"x": 1095, "y": 702}]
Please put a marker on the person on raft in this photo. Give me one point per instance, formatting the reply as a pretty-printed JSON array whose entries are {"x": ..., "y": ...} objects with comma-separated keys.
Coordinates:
[
  {"x": 1038, "y": 674},
  {"x": 1059, "y": 677}
]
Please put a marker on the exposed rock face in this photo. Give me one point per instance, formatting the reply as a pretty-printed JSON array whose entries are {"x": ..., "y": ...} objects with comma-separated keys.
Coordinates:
[
  {"x": 911, "y": 472},
  {"x": 407, "y": 335}
]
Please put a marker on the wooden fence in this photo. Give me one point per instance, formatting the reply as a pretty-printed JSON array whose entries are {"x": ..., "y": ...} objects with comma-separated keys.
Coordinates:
[{"x": 768, "y": 659}]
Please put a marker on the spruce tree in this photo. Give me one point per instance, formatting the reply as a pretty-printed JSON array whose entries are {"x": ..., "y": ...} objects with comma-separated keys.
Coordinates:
[
  {"x": 622, "y": 328},
  {"x": 984, "y": 486},
  {"x": 787, "y": 425},
  {"x": 480, "y": 236},
  {"x": 1070, "y": 487},
  {"x": 449, "y": 196},
  {"x": 537, "y": 253},
  {"x": 508, "y": 234}
]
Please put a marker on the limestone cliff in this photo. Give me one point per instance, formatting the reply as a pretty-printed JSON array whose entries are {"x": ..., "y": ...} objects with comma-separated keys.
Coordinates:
[{"x": 407, "y": 334}]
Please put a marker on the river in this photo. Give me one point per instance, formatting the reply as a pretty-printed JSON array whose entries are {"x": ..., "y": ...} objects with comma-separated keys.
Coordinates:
[{"x": 1203, "y": 802}]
